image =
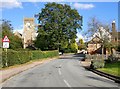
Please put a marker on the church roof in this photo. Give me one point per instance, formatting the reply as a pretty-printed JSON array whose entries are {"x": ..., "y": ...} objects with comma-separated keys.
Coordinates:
[{"x": 18, "y": 34}]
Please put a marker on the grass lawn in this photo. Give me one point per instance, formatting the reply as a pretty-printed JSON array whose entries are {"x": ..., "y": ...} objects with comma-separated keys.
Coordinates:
[{"x": 111, "y": 68}]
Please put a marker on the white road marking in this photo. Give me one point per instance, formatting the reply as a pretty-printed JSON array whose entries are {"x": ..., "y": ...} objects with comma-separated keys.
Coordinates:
[
  {"x": 59, "y": 71},
  {"x": 67, "y": 83}
]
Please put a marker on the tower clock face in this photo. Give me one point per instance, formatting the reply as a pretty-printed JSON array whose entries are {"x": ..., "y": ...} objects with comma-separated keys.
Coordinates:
[{"x": 28, "y": 25}]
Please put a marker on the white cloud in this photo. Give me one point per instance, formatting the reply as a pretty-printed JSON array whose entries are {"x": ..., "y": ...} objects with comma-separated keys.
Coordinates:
[
  {"x": 83, "y": 6},
  {"x": 67, "y": 0},
  {"x": 9, "y": 4},
  {"x": 45, "y": 0}
]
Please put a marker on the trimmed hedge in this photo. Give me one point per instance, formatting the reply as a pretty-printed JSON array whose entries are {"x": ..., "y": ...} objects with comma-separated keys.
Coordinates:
[
  {"x": 0, "y": 58},
  {"x": 20, "y": 57}
]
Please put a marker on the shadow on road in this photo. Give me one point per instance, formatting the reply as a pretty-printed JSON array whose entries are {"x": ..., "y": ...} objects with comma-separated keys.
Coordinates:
[
  {"x": 77, "y": 56},
  {"x": 99, "y": 79}
]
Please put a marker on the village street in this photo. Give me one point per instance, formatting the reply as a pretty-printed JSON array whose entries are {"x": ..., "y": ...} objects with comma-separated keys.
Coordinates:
[
  {"x": 64, "y": 72},
  {"x": 60, "y": 44}
]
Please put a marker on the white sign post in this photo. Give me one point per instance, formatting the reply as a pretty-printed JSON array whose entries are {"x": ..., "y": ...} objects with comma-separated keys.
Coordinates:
[{"x": 5, "y": 46}]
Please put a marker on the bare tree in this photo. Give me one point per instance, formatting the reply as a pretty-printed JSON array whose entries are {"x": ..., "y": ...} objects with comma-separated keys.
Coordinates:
[{"x": 97, "y": 29}]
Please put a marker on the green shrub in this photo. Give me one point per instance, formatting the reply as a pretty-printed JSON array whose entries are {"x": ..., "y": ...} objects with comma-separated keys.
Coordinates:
[
  {"x": 20, "y": 57},
  {"x": 23, "y": 56},
  {"x": 69, "y": 50},
  {"x": 97, "y": 64},
  {"x": 96, "y": 56},
  {"x": 96, "y": 61},
  {"x": 43, "y": 54},
  {"x": 112, "y": 58},
  {"x": 15, "y": 57}
]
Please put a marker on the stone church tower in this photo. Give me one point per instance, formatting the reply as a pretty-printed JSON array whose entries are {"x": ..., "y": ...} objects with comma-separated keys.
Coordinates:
[{"x": 29, "y": 33}]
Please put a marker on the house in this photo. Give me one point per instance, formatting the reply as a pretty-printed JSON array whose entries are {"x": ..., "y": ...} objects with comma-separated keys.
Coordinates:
[{"x": 94, "y": 45}]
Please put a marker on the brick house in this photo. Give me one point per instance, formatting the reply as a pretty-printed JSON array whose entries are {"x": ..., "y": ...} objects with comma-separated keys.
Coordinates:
[{"x": 94, "y": 45}]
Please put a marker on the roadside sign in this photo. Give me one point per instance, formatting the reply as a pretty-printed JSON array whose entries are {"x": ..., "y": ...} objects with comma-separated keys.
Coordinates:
[
  {"x": 6, "y": 45},
  {"x": 5, "y": 39},
  {"x": 5, "y": 42}
]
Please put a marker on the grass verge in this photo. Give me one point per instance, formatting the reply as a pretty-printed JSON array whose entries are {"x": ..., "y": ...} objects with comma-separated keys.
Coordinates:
[{"x": 111, "y": 68}]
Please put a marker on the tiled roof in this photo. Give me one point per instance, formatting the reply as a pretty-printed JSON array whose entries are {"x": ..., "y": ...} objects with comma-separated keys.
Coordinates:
[{"x": 95, "y": 40}]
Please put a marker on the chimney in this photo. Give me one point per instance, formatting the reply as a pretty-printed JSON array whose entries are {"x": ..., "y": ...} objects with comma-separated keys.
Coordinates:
[
  {"x": 113, "y": 29},
  {"x": 113, "y": 26},
  {"x": 114, "y": 32}
]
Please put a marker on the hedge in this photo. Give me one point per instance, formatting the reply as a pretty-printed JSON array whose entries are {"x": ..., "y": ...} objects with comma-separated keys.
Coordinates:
[
  {"x": 20, "y": 57},
  {"x": 0, "y": 58}
]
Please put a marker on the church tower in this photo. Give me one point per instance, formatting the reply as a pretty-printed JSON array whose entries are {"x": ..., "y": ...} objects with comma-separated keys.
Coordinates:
[{"x": 28, "y": 32}]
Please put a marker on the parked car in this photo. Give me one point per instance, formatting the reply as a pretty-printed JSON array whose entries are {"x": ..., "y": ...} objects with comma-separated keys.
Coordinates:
[{"x": 60, "y": 53}]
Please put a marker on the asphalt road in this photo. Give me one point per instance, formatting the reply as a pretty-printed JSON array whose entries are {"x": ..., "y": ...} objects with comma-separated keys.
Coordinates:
[{"x": 64, "y": 72}]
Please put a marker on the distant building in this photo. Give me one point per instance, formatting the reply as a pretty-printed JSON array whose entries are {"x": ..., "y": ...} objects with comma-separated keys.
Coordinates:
[
  {"x": 18, "y": 34},
  {"x": 94, "y": 45},
  {"x": 29, "y": 32},
  {"x": 114, "y": 33}
]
